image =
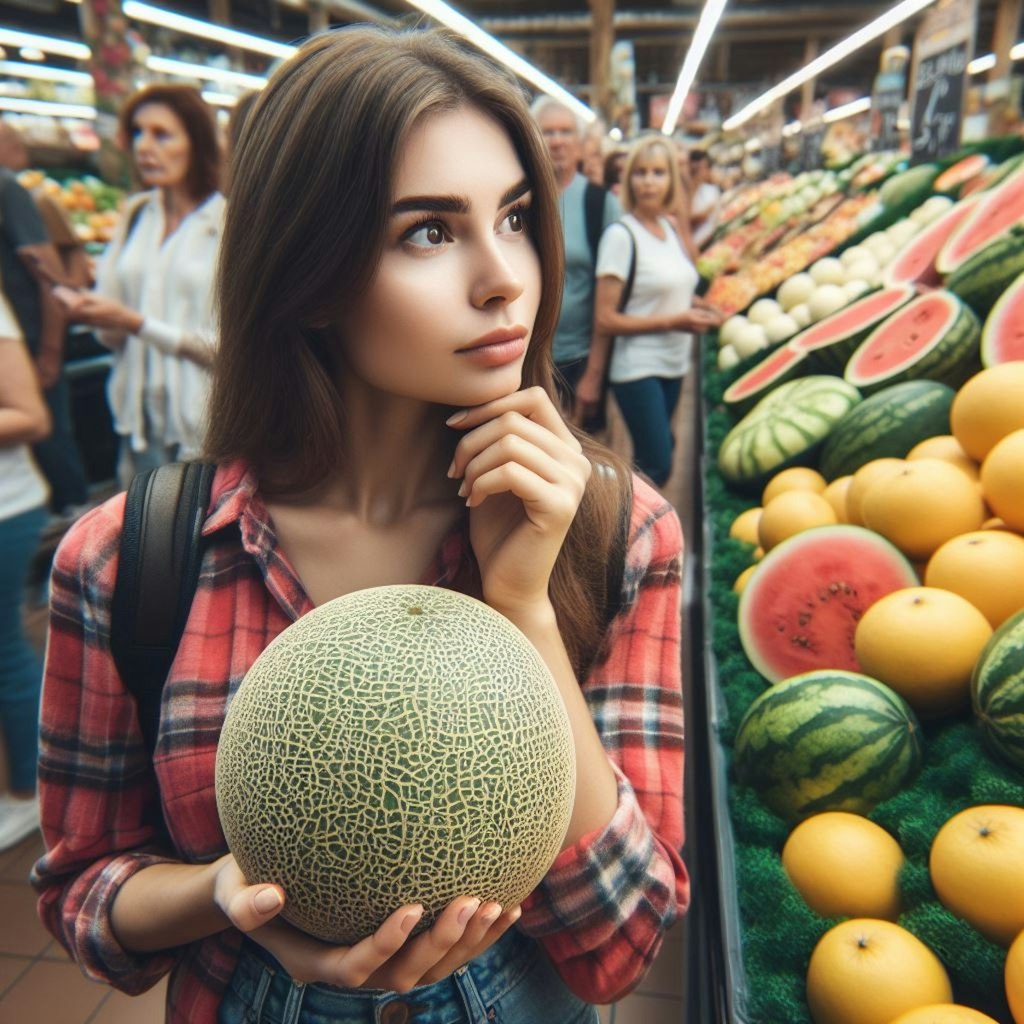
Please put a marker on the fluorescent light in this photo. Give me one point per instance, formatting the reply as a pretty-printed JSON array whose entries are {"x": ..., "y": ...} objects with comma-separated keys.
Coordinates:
[
  {"x": 615, "y": 134},
  {"x": 1017, "y": 53},
  {"x": 847, "y": 110},
  {"x": 21, "y": 106},
  {"x": 980, "y": 64},
  {"x": 694, "y": 55},
  {"x": 793, "y": 128},
  {"x": 48, "y": 44},
  {"x": 219, "y": 99},
  {"x": 186, "y": 70},
  {"x": 441, "y": 12},
  {"x": 204, "y": 29},
  {"x": 31, "y": 53},
  {"x": 840, "y": 51},
  {"x": 44, "y": 73}
]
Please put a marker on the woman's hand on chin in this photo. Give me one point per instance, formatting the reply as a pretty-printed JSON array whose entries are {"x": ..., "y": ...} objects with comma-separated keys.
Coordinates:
[{"x": 523, "y": 476}]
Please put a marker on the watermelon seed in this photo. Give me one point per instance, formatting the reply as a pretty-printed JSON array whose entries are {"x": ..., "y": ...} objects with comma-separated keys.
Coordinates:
[
  {"x": 803, "y": 618},
  {"x": 801, "y": 640}
]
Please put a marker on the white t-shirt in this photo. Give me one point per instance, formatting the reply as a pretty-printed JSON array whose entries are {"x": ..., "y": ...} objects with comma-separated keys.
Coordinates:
[
  {"x": 664, "y": 284},
  {"x": 705, "y": 204}
]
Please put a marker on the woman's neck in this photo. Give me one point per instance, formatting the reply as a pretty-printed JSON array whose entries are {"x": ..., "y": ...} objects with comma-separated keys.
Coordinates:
[
  {"x": 177, "y": 203},
  {"x": 650, "y": 218}
]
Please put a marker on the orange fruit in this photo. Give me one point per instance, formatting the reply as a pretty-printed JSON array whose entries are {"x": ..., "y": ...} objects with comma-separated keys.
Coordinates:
[
  {"x": 743, "y": 579},
  {"x": 796, "y": 478},
  {"x": 876, "y": 469},
  {"x": 844, "y": 866},
  {"x": 790, "y": 513},
  {"x": 975, "y": 865},
  {"x": 866, "y": 971},
  {"x": 944, "y": 1013},
  {"x": 923, "y": 643},
  {"x": 987, "y": 408},
  {"x": 923, "y": 505},
  {"x": 986, "y": 567},
  {"x": 744, "y": 526},
  {"x": 1002, "y": 478},
  {"x": 947, "y": 448},
  {"x": 1013, "y": 974},
  {"x": 835, "y": 495}
]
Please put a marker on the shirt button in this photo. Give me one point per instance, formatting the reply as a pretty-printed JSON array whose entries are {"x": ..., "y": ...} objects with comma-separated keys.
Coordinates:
[{"x": 395, "y": 1013}]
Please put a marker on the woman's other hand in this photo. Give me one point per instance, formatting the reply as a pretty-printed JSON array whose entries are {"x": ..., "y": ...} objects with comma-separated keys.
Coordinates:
[
  {"x": 98, "y": 311},
  {"x": 388, "y": 959},
  {"x": 588, "y": 396},
  {"x": 698, "y": 320}
]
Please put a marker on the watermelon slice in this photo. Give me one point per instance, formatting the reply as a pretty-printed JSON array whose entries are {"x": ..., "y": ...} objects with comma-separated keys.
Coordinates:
[
  {"x": 1002, "y": 337},
  {"x": 935, "y": 337},
  {"x": 780, "y": 365},
  {"x": 801, "y": 607},
  {"x": 953, "y": 178},
  {"x": 1000, "y": 211},
  {"x": 831, "y": 341},
  {"x": 915, "y": 263}
]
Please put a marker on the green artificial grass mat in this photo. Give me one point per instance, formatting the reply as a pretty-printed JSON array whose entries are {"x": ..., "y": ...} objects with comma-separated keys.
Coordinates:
[{"x": 778, "y": 930}]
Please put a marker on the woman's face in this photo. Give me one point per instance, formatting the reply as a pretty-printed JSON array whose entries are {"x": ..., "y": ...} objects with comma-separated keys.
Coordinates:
[
  {"x": 651, "y": 180},
  {"x": 160, "y": 146},
  {"x": 449, "y": 314}
]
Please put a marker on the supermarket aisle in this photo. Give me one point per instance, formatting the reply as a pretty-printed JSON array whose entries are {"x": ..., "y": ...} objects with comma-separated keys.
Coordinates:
[{"x": 38, "y": 983}]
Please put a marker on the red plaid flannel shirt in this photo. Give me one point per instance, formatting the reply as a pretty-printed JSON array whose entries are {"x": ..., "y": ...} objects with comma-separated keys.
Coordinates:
[{"x": 601, "y": 910}]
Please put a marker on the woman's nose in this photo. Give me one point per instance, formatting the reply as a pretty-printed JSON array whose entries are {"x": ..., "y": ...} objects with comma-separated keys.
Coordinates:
[{"x": 496, "y": 278}]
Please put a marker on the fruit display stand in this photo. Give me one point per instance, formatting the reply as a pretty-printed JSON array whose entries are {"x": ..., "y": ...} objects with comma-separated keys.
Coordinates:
[{"x": 759, "y": 931}]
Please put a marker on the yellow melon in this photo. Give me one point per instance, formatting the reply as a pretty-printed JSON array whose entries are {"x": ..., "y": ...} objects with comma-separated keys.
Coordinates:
[
  {"x": 844, "y": 866},
  {"x": 987, "y": 408},
  {"x": 790, "y": 513},
  {"x": 944, "y": 1013},
  {"x": 947, "y": 448},
  {"x": 923, "y": 643},
  {"x": 866, "y": 971},
  {"x": 796, "y": 478},
  {"x": 863, "y": 478},
  {"x": 744, "y": 526},
  {"x": 976, "y": 869},
  {"x": 1002, "y": 478},
  {"x": 1013, "y": 974},
  {"x": 835, "y": 495},
  {"x": 986, "y": 567},
  {"x": 923, "y": 505},
  {"x": 743, "y": 579}
]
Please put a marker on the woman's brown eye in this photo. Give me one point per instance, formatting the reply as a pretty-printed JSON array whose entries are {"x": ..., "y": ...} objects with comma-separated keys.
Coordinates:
[
  {"x": 435, "y": 236},
  {"x": 515, "y": 221}
]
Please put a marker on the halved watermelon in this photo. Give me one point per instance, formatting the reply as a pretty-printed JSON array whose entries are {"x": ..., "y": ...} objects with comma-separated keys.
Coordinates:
[
  {"x": 831, "y": 341},
  {"x": 1000, "y": 211},
  {"x": 935, "y": 337},
  {"x": 1002, "y": 337},
  {"x": 800, "y": 609},
  {"x": 982, "y": 279},
  {"x": 915, "y": 262},
  {"x": 954, "y": 177},
  {"x": 780, "y": 365}
]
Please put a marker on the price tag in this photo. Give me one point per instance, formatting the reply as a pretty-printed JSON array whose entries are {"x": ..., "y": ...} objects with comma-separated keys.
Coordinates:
[{"x": 937, "y": 104}]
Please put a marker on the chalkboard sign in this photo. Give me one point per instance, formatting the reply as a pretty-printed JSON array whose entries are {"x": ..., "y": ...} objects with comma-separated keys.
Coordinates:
[
  {"x": 810, "y": 146},
  {"x": 937, "y": 108}
]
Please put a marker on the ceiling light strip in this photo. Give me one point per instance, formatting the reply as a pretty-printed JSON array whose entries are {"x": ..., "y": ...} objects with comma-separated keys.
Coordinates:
[
  {"x": 878, "y": 27},
  {"x": 858, "y": 106},
  {"x": 691, "y": 64},
  {"x": 986, "y": 62},
  {"x": 183, "y": 69},
  {"x": 15, "y": 69},
  {"x": 18, "y": 105},
  {"x": 48, "y": 44}
]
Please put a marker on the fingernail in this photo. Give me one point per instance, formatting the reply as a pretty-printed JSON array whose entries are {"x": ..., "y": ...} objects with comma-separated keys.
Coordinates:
[
  {"x": 451, "y": 470},
  {"x": 491, "y": 914},
  {"x": 468, "y": 911},
  {"x": 516, "y": 914},
  {"x": 464, "y": 489},
  {"x": 267, "y": 900},
  {"x": 457, "y": 417},
  {"x": 410, "y": 919}
]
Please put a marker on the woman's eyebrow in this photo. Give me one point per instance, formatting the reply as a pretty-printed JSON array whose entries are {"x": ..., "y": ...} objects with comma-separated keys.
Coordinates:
[{"x": 453, "y": 203}]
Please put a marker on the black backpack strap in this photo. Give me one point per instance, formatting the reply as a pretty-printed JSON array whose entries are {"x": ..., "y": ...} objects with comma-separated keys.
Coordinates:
[
  {"x": 593, "y": 213},
  {"x": 157, "y": 575},
  {"x": 627, "y": 289}
]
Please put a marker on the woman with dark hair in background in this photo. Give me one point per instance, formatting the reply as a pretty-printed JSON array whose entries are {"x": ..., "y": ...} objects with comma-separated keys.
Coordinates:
[{"x": 153, "y": 299}]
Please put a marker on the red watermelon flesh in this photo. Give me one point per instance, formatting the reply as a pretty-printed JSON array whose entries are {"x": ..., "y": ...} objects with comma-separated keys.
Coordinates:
[
  {"x": 915, "y": 264},
  {"x": 776, "y": 368},
  {"x": 960, "y": 172},
  {"x": 800, "y": 610},
  {"x": 996, "y": 213},
  {"x": 1002, "y": 338}
]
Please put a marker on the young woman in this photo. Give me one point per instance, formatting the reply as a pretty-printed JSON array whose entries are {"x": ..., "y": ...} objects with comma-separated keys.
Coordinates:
[
  {"x": 153, "y": 299},
  {"x": 385, "y": 413},
  {"x": 652, "y": 342}
]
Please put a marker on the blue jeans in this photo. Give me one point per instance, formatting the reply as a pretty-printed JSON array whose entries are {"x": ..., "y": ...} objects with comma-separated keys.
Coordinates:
[
  {"x": 648, "y": 406},
  {"x": 21, "y": 671},
  {"x": 513, "y": 982}
]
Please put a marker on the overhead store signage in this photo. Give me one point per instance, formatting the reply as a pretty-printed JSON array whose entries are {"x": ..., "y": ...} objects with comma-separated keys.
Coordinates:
[
  {"x": 888, "y": 96},
  {"x": 943, "y": 47}
]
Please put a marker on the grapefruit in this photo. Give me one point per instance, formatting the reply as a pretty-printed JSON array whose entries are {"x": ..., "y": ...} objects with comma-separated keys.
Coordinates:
[
  {"x": 743, "y": 579},
  {"x": 790, "y": 513},
  {"x": 987, "y": 408},
  {"x": 861, "y": 482},
  {"x": 835, "y": 495},
  {"x": 944, "y": 1013},
  {"x": 1002, "y": 477},
  {"x": 796, "y": 478},
  {"x": 948, "y": 448},
  {"x": 866, "y": 971},
  {"x": 1014, "y": 976},
  {"x": 744, "y": 526}
]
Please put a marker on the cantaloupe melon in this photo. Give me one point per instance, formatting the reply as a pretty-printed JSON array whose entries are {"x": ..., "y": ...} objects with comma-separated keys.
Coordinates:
[{"x": 401, "y": 744}]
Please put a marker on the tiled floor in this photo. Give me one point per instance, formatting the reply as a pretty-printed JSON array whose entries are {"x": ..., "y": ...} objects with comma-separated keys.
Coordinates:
[{"x": 39, "y": 985}]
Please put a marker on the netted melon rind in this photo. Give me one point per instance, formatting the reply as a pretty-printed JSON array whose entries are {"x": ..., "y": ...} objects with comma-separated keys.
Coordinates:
[{"x": 398, "y": 745}]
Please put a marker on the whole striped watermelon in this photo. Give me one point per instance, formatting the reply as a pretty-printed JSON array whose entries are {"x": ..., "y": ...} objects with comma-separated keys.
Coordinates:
[
  {"x": 997, "y": 691},
  {"x": 985, "y": 276},
  {"x": 934, "y": 337},
  {"x": 827, "y": 741},
  {"x": 785, "y": 428}
]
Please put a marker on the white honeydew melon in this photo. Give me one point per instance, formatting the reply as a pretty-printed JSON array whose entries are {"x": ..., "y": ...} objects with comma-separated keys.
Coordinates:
[
  {"x": 728, "y": 357},
  {"x": 827, "y": 271},
  {"x": 826, "y": 300},
  {"x": 865, "y": 270},
  {"x": 931, "y": 209},
  {"x": 854, "y": 289},
  {"x": 795, "y": 290},
  {"x": 801, "y": 313},
  {"x": 780, "y": 328},
  {"x": 749, "y": 340},
  {"x": 730, "y": 328},
  {"x": 763, "y": 310},
  {"x": 853, "y": 255},
  {"x": 902, "y": 232},
  {"x": 880, "y": 247}
]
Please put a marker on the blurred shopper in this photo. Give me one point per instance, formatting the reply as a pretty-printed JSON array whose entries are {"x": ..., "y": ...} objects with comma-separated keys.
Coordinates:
[
  {"x": 586, "y": 209},
  {"x": 24, "y": 419},
  {"x": 153, "y": 300},
  {"x": 652, "y": 343},
  {"x": 706, "y": 196},
  {"x": 613, "y": 165},
  {"x": 29, "y": 264}
]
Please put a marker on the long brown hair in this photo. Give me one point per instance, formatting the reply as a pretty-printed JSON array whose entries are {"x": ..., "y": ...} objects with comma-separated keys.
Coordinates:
[{"x": 304, "y": 233}]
